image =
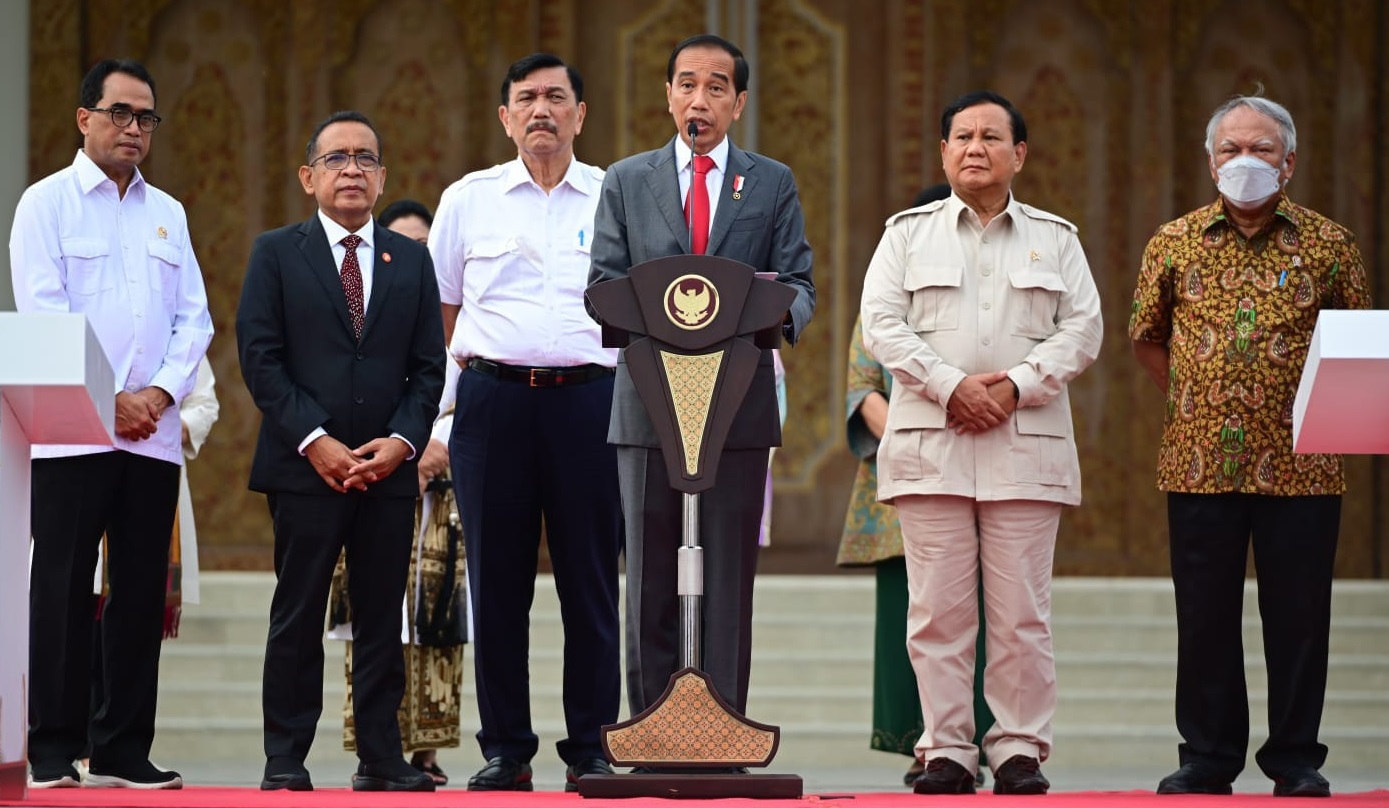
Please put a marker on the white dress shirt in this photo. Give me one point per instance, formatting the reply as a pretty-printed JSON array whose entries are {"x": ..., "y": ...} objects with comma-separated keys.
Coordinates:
[
  {"x": 516, "y": 260},
  {"x": 127, "y": 264},
  {"x": 684, "y": 162},
  {"x": 366, "y": 251}
]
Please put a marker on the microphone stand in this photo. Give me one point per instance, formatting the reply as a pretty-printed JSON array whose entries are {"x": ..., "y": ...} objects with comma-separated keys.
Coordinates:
[{"x": 690, "y": 556}]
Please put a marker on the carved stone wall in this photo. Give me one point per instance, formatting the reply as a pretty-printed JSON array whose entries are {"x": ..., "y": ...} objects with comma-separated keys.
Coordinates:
[{"x": 848, "y": 93}]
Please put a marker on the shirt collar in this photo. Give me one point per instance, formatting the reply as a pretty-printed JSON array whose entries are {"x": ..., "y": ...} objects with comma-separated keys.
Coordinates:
[
  {"x": 683, "y": 154},
  {"x": 1215, "y": 213},
  {"x": 957, "y": 208},
  {"x": 90, "y": 175},
  {"x": 515, "y": 174},
  {"x": 337, "y": 232}
]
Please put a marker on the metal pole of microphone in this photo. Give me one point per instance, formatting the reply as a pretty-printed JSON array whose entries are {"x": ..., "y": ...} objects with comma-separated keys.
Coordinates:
[{"x": 690, "y": 558}]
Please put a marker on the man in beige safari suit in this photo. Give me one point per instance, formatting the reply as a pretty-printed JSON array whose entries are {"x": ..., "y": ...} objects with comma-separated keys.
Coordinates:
[{"x": 983, "y": 309}]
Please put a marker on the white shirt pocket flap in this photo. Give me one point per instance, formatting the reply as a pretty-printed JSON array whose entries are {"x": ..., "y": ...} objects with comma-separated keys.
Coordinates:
[
  {"x": 85, "y": 248},
  {"x": 915, "y": 412},
  {"x": 493, "y": 248},
  {"x": 1036, "y": 275},
  {"x": 1050, "y": 420},
  {"x": 164, "y": 251},
  {"x": 923, "y": 276}
]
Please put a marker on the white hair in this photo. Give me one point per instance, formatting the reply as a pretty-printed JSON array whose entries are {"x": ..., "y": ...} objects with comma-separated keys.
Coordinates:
[{"x": 1272, "y": 109}]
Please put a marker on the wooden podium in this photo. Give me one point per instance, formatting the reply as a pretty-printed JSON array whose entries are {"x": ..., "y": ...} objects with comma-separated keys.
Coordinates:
[
  {"x": 693, "y": 327},
  {"x": 56, "y": 386},
  {"x": 1340, "y": 406}
]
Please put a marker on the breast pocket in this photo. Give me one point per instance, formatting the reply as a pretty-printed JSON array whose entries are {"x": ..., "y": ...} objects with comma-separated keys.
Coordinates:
[
  {"x": 164, "y": 259},
  {"x": 85, "y": 260},
  {"x": 484, "y": 263},
  {"x": 1038, "y": 288},
  {"x": 935, "y": 291},
  {"x": 747, "y": 223}
]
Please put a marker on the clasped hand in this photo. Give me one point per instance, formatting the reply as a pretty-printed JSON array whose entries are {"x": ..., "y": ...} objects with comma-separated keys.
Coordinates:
[
  {"x": 343, "y": 468},
  {"x": 981, "y": 402},
  {"x": 137, "y": 414}
]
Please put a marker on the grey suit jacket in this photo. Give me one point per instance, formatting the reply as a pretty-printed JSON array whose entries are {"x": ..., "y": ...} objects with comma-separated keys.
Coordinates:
[{"x": 641, "y": 216}]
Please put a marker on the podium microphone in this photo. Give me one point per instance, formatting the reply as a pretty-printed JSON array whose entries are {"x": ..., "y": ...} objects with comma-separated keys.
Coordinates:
[{"x": 691, "y": 129}]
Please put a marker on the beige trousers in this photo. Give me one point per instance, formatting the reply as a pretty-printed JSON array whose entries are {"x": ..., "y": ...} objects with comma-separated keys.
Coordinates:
[{"x": 948, "y": 541}]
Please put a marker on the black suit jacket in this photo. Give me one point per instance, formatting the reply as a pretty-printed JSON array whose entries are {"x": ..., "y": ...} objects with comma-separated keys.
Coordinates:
[{"x": 305, "y": 370}]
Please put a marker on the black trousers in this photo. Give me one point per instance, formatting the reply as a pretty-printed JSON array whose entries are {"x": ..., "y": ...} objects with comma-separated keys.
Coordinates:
[
  {"x": 310, "y": 530},
  {"x": 132, "y": 499},
  {"x": 521, "y": 455},
  {"x": 1294, "y": 541}
]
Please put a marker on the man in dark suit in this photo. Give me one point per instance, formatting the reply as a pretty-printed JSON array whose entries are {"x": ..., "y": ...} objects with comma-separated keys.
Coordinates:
[
  {"x": 754, "y": 217},
  {"x": 342, "y": 349}
]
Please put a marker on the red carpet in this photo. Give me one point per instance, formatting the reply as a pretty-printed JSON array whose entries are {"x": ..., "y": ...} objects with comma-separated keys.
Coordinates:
[{"x": 203, "y": 797}]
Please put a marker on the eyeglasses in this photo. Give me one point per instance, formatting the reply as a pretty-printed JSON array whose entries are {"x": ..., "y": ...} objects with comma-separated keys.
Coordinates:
[
  {"x": 337, "y": 161},
  {"x": 122, "y": 116}
]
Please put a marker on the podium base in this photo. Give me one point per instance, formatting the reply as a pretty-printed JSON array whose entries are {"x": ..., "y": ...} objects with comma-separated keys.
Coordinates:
[{"x": 693, "y": 786}]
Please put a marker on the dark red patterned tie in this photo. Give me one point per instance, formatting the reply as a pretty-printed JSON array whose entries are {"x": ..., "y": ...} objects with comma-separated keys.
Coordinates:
[
  {"x": 352, "y": 283},
  {"x": 697, "y": 204}
]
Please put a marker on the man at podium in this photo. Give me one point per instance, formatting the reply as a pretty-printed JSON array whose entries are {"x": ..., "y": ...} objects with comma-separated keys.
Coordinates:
[
  {"x": 95, "y": 238},
  {"x": 1227, "y": 300},
  {"x": 743, "y": 206}
]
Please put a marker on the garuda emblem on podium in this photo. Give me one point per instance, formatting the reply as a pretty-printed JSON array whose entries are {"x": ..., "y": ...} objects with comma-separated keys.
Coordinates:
[{"x": 692, "y": 302}]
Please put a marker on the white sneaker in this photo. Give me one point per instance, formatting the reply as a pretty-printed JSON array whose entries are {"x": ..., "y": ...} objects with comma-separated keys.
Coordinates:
[
  {"x": 144, "y": 776},
  {"x": 56, "y": 779}
]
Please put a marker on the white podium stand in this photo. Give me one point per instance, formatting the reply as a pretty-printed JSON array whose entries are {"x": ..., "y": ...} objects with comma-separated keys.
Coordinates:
[
  {"x": 55, "y": 387},
  {"x": 1342, "y": 404}
]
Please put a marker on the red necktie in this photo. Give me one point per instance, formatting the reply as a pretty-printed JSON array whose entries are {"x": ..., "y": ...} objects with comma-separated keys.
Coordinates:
[
  {"x": 352, "y": 283},
  {"x": 697, "y": 205}
]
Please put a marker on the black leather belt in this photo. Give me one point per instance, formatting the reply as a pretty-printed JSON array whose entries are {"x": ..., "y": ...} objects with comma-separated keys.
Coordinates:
[{"x": 540, "y": 377}]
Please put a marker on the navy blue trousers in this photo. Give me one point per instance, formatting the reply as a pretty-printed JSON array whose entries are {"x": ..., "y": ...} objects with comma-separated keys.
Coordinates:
[{"x": 522, "y": 457}]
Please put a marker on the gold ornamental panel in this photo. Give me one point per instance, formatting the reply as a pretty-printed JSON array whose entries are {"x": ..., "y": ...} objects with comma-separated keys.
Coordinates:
[
  {"x": 691, "y": 382},
  {"x": 691, "y": 727}
]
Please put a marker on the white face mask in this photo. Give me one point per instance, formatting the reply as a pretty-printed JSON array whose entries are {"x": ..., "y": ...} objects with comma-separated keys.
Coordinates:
[{"x": 1246, "y": 180}]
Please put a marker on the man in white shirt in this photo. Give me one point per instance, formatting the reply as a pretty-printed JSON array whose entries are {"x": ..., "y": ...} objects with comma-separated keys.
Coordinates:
[
  {"x": 96, "y": 238},
  {"x": 511, "y": 248}
]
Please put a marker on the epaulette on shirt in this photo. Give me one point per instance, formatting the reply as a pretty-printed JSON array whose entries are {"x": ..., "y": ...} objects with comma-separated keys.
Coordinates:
[
  {"x": 491, "y": 173},
  {"x": 1038, "y": 213},
  {"x": 929, "y": 207}
]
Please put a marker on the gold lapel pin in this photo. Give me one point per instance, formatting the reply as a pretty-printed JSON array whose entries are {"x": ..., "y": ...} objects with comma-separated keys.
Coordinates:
[
  {"x": 162, "y": 232},
  {"x": 1035, "y": 256}
]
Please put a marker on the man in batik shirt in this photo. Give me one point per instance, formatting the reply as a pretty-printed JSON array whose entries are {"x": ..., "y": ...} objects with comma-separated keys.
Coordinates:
[{"x": 1227, "y": 299}]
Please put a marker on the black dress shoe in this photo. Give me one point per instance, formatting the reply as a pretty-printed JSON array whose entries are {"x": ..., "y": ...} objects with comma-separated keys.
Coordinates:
[
  {"x": 1301, "y": 783},
  {"x": 1193, "y": 779},
  {"x": 393, "y": 774},
  {"x": 502, "y": 774},
  {"x": 585, "y": 766},
  {"x": 285, "y": 774},
  {"x": 913, "y": 771},
  {"x": 944, "y": 776},
  {"x": 1020, "y": 774}
]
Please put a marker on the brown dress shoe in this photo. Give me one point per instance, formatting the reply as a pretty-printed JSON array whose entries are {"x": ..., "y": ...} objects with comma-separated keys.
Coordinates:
[
  {"x": 944, "y": 776},
  {"x": 1020, "y": 774}
]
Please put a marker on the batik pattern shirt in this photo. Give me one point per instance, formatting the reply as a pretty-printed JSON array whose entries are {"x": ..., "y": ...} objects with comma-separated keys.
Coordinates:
[{"x": 1237, "y": 315}]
